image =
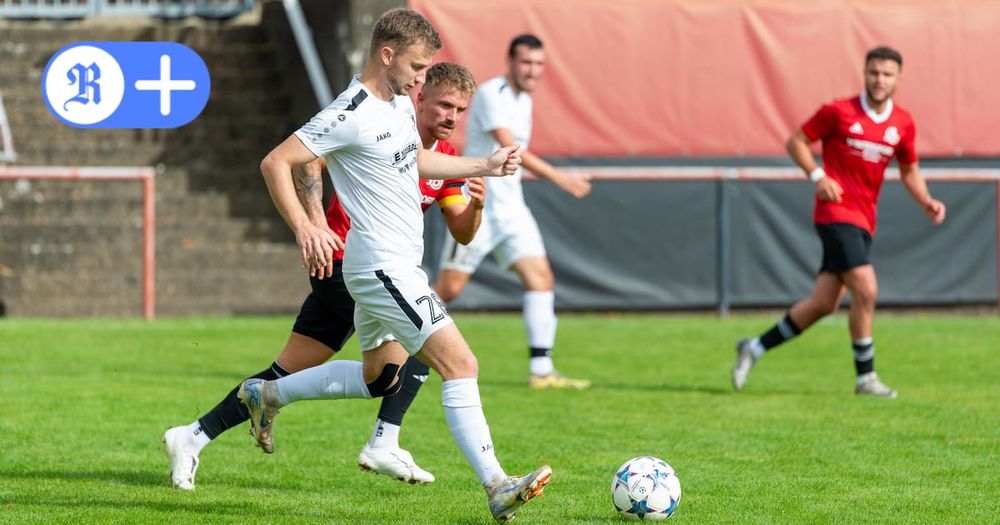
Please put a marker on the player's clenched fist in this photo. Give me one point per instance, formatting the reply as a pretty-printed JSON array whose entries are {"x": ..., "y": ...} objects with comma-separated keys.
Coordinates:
[
  {"x": 504, "y": 161},
  {"x": 829, "y": 190},
  {"x": 935, "y": 209}
]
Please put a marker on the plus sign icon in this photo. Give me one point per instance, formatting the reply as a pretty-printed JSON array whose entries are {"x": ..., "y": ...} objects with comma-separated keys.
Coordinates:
[{"x": 126, "y": 85}]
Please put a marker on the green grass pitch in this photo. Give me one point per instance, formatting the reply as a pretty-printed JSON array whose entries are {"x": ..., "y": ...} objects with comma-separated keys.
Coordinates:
[{"x": 86, "y": 402}]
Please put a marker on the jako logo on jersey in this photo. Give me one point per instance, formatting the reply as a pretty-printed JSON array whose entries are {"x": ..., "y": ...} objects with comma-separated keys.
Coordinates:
[
  {"x": 856, "y": 129},
  {"x": 383, "y": 136},
  {"x": 126, "y": 85},
  {"x": 891, "y": 135},
  {"x": 401, "y": 154}
]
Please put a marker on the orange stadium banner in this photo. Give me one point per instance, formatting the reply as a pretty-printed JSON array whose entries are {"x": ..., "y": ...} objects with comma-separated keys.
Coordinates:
[{"x": 730, "y": 77}]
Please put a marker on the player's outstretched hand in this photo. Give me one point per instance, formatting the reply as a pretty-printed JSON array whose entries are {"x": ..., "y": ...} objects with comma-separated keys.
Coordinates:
[
  {"x": 577, "y": 185},
  {"x": 829, "y": 190},
  {"x": 477, "y": 191},
  {"x": 935, "y": 209},
  {"x": 504, "y": 161},
  {"x": 318, "y": 245}
]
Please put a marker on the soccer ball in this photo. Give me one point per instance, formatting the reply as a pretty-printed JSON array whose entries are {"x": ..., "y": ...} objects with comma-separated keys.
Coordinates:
[{"x": 646, "y": 488}]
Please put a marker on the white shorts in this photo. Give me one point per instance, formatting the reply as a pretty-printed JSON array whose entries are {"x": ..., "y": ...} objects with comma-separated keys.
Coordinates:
[
  {"x": 508, "y": 240},
  {"x": 395, "y": 304}
]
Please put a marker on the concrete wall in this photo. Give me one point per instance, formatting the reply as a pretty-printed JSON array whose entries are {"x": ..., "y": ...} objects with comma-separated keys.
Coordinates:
[{"x": 72, "y": 248}]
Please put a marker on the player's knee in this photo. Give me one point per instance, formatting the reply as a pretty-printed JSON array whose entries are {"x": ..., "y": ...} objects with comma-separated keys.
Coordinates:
[
  {"x": 865, "y": 294},
  {"x": 388, "y": 382},
  {"x": 463, "y": 365},
  {"x": 470, "y": 366},
  {"x": 446, "y": 291},
  {"x": 539, "y": 280}
]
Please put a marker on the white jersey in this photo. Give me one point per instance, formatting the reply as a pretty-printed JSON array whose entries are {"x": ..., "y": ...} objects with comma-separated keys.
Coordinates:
[
  {"x": 370, "y": 148},
  {"x": 496, "y": 106}
]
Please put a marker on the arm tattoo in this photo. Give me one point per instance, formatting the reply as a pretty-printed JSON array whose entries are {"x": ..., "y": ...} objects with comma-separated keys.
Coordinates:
[{"x": 308, "y": 181}]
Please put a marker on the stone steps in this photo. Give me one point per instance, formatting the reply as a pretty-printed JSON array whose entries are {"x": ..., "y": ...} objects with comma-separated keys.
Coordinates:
[{"x": 74, "y": 248}]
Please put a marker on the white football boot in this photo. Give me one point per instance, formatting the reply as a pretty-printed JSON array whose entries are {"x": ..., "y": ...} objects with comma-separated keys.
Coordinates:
[
  {"x": 744, "y": 362},
  {"x": 395, "y": 463},
  {"x": 869, "y": 385},
  {"x": 183, "y": 459}
]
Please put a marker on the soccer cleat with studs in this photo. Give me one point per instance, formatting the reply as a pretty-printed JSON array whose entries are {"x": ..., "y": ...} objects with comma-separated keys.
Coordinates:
[
  {"x": 262, "y": 411},
  {"x": 507, "y": 495}
]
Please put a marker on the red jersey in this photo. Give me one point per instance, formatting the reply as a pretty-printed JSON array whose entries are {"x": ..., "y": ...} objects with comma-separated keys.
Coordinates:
[
  {"x": 445, "y": 192},
  {"x": 857, "y": 146}
]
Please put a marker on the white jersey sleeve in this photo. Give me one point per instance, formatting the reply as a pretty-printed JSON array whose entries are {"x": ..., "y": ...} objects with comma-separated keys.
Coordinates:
[{"x": 332, "y": 129}]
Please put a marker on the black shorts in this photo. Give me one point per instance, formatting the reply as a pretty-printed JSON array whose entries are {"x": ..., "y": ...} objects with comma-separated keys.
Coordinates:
[
  {"x": 845, "y": 246},
  {"x": 327, "y": 315}
]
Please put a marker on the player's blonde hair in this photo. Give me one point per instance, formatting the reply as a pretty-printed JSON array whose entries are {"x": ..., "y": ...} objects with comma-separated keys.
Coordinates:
[
  {"x": 402, "y": 28},
  {"x": 447, "y": 74}
]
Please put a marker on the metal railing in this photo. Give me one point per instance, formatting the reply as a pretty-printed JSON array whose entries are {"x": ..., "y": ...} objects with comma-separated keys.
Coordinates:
[
  {"x": 307, "y": 48},
  {"x": 7, "y": 153},
  {"x": 65, "y": 9},
  {"x": 144, "y": 174}
]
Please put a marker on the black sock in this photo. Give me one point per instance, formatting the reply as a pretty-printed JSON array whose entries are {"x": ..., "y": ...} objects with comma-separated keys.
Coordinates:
[
  {"x": 394, "y": 407},
  {"x": 864, "y": 355},
  {"x": 782, "y": 331},
  {"x": 230, "y": 411},
  {"x": 540, "y": 352}
]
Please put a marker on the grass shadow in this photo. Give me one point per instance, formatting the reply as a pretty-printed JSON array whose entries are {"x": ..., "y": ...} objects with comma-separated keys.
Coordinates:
[
  {"x": 136, "y": 478},
  {"x": 623, "y": 387}
]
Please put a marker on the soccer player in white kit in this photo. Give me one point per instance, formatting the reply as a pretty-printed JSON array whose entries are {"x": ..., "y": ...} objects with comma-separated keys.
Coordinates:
[
  {"x": 369, "y": 140},
  {"x": 501, "y": 116}
]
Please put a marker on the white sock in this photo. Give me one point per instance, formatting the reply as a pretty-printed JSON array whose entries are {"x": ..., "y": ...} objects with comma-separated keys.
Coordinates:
[
  {"x": 464, "y": 412},
  {"x": 541, "y": 366},
  {"x": 540, "y": 322},
  {"x": 197, "y": 437},
  {"x": 757, "y": 348},
  {"x": 332, "y": 380},
  {"x": 385, "y": 435}
]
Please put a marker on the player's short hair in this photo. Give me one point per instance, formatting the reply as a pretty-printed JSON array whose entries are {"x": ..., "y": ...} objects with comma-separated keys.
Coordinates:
[
  {"x": 446, "y": 74},
  {"x": 527, "y": 39},
  {"x": 402, "y": 28},
  {"x": 884, "y": 53}
]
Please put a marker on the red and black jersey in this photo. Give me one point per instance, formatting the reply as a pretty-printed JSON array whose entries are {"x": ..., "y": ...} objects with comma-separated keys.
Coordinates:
[{"x": 857, "y": 146}]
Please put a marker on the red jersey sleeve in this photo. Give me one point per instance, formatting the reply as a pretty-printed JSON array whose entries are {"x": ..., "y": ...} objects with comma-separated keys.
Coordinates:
[
  {"x": 443, "y": 146},
  {"x": 822, "y": 124},
  {"x": 907, "y": 151}
]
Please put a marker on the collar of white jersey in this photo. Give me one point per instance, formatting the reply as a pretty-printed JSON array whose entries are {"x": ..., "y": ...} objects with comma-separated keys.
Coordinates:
[
  {"x": 356, "y": 79},
  {"x": 877, "y": 118},
  {"x": 506, "y": 85}
]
